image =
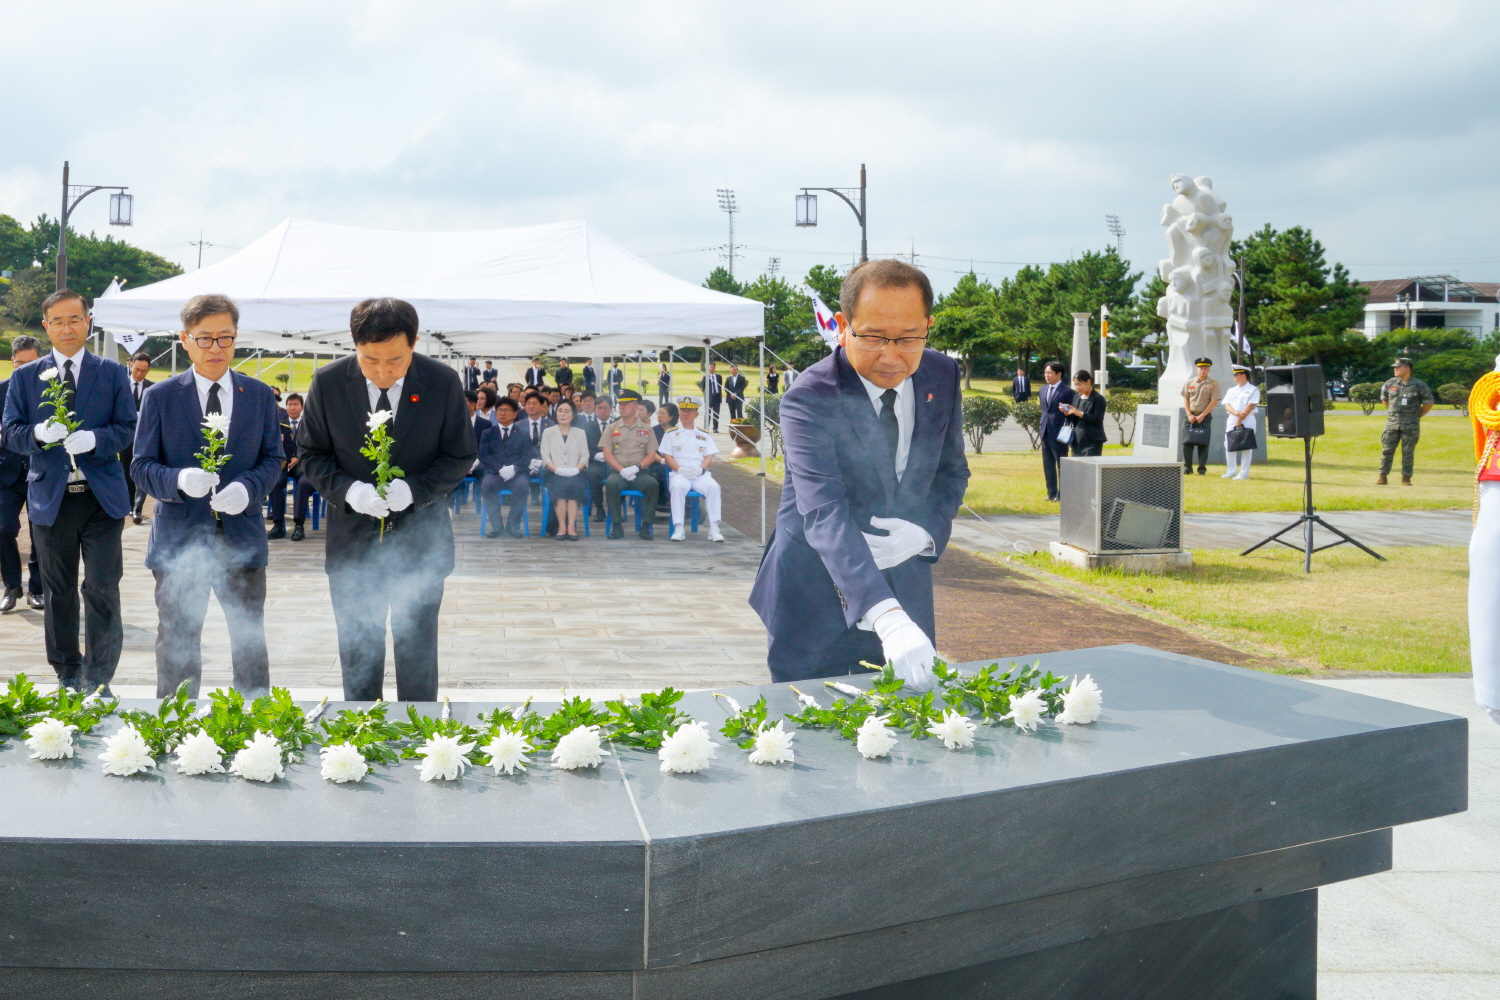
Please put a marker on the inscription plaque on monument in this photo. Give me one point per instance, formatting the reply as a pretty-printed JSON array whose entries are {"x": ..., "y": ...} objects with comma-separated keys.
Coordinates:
[{"x": 1156, "y": 430}]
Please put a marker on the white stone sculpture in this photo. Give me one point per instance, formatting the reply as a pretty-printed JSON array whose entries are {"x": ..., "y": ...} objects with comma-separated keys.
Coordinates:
[{"x": 1200, "y": 281}]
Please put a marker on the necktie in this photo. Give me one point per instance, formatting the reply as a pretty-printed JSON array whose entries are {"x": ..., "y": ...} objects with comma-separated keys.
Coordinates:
[
  {"x": 384, "y": 402},
  {"x": 72, "y": 383},
  {"x": 888, "y": 424},
  {"x": 138, "y": 395},
  {"x": 536, "y": 432},
  {"x": 213, "y": 401}
]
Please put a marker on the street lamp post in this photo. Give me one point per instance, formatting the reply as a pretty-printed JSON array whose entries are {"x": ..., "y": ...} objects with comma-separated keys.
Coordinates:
[
  {"x": 807, "y": 210},
  {"x": 121, "y": 212}
]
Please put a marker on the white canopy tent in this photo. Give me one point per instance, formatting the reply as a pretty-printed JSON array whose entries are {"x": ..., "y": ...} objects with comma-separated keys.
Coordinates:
[{"x": 565, "y": 288}]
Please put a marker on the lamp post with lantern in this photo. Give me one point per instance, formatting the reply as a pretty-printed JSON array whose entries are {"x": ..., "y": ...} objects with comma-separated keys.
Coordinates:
[
  {"x": 121, "y": 213},
  {"x": 807, "y": 210}
]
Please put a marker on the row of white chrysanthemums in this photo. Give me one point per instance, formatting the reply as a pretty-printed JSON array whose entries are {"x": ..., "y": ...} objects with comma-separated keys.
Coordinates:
[{"x": 576, "y": 734}]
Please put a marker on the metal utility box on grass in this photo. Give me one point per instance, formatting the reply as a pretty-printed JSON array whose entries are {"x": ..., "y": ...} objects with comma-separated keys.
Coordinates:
[{"x": 1121, "y": 511}]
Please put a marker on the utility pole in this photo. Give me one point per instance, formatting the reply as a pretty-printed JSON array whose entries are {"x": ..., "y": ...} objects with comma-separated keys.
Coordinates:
[
  {"x": 121, "y": 208},
  {"x": 773, "y": 265},
  {"x": 728, "y": 205},
  {"x": 1112, "y": 223},
  {"x": 200, "y": 243}
]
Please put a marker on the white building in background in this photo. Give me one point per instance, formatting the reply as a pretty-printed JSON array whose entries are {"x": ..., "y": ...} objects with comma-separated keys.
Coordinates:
[{"x": 1433, "y": 301}]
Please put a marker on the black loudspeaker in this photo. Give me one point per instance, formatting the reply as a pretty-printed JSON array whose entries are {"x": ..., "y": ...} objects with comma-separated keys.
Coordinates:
[{"x": 1294, "y": 400}]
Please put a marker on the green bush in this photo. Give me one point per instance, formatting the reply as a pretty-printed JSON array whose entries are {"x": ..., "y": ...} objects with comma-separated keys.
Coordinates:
[
  {"x": 1367, "y": 395},
  {"x": 1029, "y": 416},
  {"x": 983, "y": 415},
  {"x": 1460, "y": 367},
  {"x": 1120, "y": 404},
  {"x": 1456, "y": 396},
  {"x": 773, "y": 419}
]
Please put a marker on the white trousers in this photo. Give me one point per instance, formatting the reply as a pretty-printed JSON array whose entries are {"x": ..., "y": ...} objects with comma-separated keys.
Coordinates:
[
  {"x": 1237, "y": 463},
  {"x": 1484, "y": 600},
  {"x": 678, "y": 486}
]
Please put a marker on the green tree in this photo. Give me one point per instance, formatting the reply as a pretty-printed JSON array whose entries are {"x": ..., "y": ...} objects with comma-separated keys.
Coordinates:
[
  {"x": 93, "y": 263},
  {"x": 15, "y": 245},
  {"x": 1138, "y": 328},
  {"x": 966, "y": 323},
  {"x": 827, "y": 281},
  {"x": 983, "y": 415},
  {"x": 1297, "y": 306},
  {"x": 27, "y": 290},
  {"x": 720, "y": 280}
]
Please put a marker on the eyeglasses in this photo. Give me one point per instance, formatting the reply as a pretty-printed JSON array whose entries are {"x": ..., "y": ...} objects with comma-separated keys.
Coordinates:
[
  {"x": 874, "y": 344},
  {"x": 207, "y": 342}
]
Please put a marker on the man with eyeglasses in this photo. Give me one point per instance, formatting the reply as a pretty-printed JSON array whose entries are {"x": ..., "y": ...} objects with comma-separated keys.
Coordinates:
[
  {"x": 875, "y": 472},
  {"x": 206, "y": 535},
  {"x": 77, "y": 500}
]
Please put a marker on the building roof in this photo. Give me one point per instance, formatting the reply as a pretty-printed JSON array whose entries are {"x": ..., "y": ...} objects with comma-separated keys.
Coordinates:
[{"x": 1431, "y": 288}]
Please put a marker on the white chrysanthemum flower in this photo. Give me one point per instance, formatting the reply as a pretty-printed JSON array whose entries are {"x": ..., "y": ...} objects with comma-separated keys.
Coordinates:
[
  {"x": 875, "y": 739},
  {"x": 199, "y": 754},
  {"x": 443, "y": 758},
  {"x": 126, "y": 753},
  {"x": 580, "y": 748},
  {"x": 773, "y": 745},
  {"x": 343, "y": 762},
  {"x": 508, "y": 752},
  {"x": 1027, "y": 710},
  {"x": 217, "y": 422},
  {"x": 379, "y": 417},
  {"x": 50, "y": 739},
  {"x": 50, "y": 374},
  {"x": 843, "y": 688},
  {"x": 1082, "y": 703},
  {"x": 260, "y": 760},
  {"x": 955, "y": 730},
  {"x": 688, "y": 750}
]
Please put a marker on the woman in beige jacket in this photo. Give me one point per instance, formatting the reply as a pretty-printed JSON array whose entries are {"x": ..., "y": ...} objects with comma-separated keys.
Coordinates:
[{"x": 565, "y": 454}]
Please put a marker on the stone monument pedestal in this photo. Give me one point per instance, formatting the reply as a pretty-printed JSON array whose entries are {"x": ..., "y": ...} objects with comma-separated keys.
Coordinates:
[{"x": 1158, "y": 434}]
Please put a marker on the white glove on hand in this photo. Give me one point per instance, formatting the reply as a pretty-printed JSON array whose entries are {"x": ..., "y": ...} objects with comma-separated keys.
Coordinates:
[
  {"x": 397, "y": 495},
  {"x": 79, "y": 442},
  {"x": 363, "y": 499},
  {"x": 232, "y": 499},
  {"x": 689, "y": 471},
  {"x": 196, "y": 482},
  {"x": 507, "y": 472},
  {"x": 598, "y": 456},
  {"x": 50, "y": 432},
  {"x": 907, "y": 648},
  {"x": 567, "y": 472},
  {"x": 536, "y": 466},
  {"x": 904, "y": 541},
  {"x": 630, "y": 472}
]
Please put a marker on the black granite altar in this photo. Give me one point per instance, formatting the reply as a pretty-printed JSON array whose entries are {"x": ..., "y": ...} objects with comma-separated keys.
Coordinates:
[{"x": 1204, "y": 806}]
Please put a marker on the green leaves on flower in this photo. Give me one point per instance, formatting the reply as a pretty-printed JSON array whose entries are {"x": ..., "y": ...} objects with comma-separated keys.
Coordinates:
[
  {"x": 377, "y": 448},
  {"x": 164, "y": 728},
  {"x": 989, "y": 692},
  {"x": 644, "y": 726},
  {"x": 745, "y": 723},
  {"x": 367, "y": 730},
  {"x": 23, "y": 704},
  {"x": 55, "y": 395}
]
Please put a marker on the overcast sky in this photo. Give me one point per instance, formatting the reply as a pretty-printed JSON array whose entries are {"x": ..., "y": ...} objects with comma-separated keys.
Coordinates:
[{"x": 994, "y": 131}]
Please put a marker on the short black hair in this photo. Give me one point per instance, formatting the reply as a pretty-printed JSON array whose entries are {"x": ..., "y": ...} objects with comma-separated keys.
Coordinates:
[
  {"x": 296, "y": 395},
  {"x": 62, "y": 295},
  {"x": 201, "y": 307},
  {"x": 471, "y": 396},
  {"x": 883, "y": 274},
  {"x": 533, "y": 394},
  {"x": 507, "y": 401},
  {"x": 140, "y": 356},
  {"x": 1057, "y": 367},
  {"x": 488, "y": 394},
  {"x": 586, "y": 394},
  {"x": 25, "y": 342},
  {"x": 1083, "y": 375},
  {"x": 374, "y": 321}
]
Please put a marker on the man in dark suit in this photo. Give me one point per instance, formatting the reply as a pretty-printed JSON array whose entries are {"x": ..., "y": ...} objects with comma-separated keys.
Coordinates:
[
  {"x": 23, "y": 349},
  {"x": 713, "y": 393},
  {"x": 206, "y": 534},
  {"x": 875, "y": 471},
  {"x": 590, "y": 377},
  {"x": 391, "y": 554},
  {"x": 491, "y": 373},
  {"x": 472, "y": 374},
  {"x": 77, "y": 500},
  {"x": 564, "y": 374},
  {"x": 505, "y": 453},
  {"x": 1020, "y": 386},
  {"x": 600, "y": 417},
  {"x": 301, "y": 490},
  {"x": 616, "y": 383},
  {"x": 536, "y": 375},
  {"x": 734, "y": 389},
  {"x": 1055, "y": 393},
  {"x": 140, "y": 367}
]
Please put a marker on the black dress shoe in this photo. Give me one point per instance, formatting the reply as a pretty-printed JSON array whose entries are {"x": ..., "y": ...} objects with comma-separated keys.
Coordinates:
[
  {"x": 297, "y": 533},
  {"x": 136, "y": 517},
  {"x": 648, "y": 531},
  {"x": 35, "y": 602},
  {"x": 615, "y": 531},
  {"x": 492, "y": 533},
  {"x": 598, "y": 515},
  {"x": 9, "y": 599},
  {"x": 277, "y": 532}
]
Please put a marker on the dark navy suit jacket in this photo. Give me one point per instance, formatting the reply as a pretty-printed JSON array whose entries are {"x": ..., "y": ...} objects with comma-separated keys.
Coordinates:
[
  {"x": 171, "y": 431},
  {"x": 818, "y": 577},
  {"x": 1052, "y": 417},
  {"x": 103, "y": 405},
  {"x": 516, "y": 449},
  {"x": 12, "y": 466}
]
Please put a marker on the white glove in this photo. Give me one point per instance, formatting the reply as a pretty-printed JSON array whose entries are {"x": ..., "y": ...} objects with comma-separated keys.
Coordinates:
[
  {"x": 363, "y": 499},
  {"x": 79, "y": 442},
  {"x": 630, "y": 472},
  {"x": 232, "y": 499},
  {"x": 49, "y": 432},
  {"x": 196, "y": 482},
  {"x": 598, "y": 456},
  {"x": 507, "y": 472},
  {"x": 907, "y": 648},
  {"x": 690, "y": 471},
  {"x": 904, "y": 541},
  {"x": 397, "y": 495},
  {"x": 567, "y": 472},
  {"x": 536, "y": 466}
]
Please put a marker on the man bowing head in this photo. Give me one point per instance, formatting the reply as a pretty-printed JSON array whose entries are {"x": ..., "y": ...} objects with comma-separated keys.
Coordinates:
[
  {"x": 875, "y": 471},
  {"x": 206, "y": 534},
  {"x": 387, "y": 554}
]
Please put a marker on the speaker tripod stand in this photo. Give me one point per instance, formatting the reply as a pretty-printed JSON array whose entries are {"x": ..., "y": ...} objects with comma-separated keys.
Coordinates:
[{"x": 1308, "y": 520}]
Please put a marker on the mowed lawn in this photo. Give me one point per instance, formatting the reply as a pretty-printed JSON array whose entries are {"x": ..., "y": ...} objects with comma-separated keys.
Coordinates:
[{"x": 1408, "y": 614}]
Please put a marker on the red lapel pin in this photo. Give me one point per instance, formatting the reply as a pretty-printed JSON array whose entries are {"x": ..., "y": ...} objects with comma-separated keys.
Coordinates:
[
  {"x": 415, "y": 397},
  {"x": 929, "y": 397}
]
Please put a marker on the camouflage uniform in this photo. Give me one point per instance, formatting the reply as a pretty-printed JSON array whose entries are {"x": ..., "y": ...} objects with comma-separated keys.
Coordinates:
[{"x": 1404, "y": 422}]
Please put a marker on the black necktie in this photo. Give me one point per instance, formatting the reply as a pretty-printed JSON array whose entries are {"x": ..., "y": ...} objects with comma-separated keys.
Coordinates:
[
  {"x": 384, "y": 402},
  {"x": 72, "y": 383},
  {"x": 888, "y": 424},
  {"x": 138, "y": 395},
  {"x": 213, "y": 401},
  {"x": 536, "y": 432}
]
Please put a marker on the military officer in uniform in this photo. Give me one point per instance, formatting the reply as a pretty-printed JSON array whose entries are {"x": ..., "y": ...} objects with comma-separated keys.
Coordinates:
[
  {"x": 688, "y": 452},
  {"x": 1199, "y": 397},
  {"x": 629, "y": 448},
  {"x": 1407, "y": 401}
]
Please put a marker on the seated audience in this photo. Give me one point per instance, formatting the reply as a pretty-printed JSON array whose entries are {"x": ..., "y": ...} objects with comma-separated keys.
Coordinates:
[
  {"x": 505, "y": 453},
  {"x": 565, "y": 454}
]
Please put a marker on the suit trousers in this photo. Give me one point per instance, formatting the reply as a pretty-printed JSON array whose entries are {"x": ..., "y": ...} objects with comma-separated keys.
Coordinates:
[
  {"x": 842, "y": 657},
  {"x": 1053, "y": 451},
  {"x": 12, "y": 499},
  {"x": 82, "y": 530},
  {"x": 302, "y": 492},
  {"x": 711, "y": 419},
  {"x": 596, "y": 473},
  {"x": 181, "y": 604},
  {"x": 362, "y": 598},
  {"x": 736, "y": 408},
  {"x": 1091, "y": 449},
  {"x": 137, "y": 495},
  {"x": 520, "y": 494}
]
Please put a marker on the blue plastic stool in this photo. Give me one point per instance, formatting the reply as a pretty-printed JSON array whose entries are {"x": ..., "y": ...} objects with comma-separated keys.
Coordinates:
[
  {"x": 318, "y": 506},
  {"x": 693, "y": 496},
  {"x": 461, "y": 494},
  {"x": 640, "y": 501}
]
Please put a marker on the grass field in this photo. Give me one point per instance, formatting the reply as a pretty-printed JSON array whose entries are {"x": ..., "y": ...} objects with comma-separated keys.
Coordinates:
[{"x": 1351, "y": 613}]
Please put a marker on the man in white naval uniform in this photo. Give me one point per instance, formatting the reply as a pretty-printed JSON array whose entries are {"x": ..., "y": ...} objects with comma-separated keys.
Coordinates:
[{"x": 688, "y": 453}]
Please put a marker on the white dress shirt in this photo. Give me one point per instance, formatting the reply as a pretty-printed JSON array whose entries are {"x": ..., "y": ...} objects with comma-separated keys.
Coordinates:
[
  {"x": 393, "y": 394},
  {"x": 226, "y": 392},
  {"x": 137, "y": 390},
  {"x": 906, "y": 417}
]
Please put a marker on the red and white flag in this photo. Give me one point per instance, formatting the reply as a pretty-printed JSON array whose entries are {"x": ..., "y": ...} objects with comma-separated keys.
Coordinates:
[{"x": 823, "y": 316}]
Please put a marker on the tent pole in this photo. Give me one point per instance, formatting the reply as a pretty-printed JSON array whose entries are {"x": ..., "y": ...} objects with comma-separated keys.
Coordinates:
[
  {"x": 762, "y": 441},
  {"x": 174, "y": 355}
]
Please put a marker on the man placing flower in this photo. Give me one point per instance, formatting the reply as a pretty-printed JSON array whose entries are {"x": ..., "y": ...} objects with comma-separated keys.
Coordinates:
[
  {"x": 208, "y": 447},
  {"x": 398, "y": 470}
]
